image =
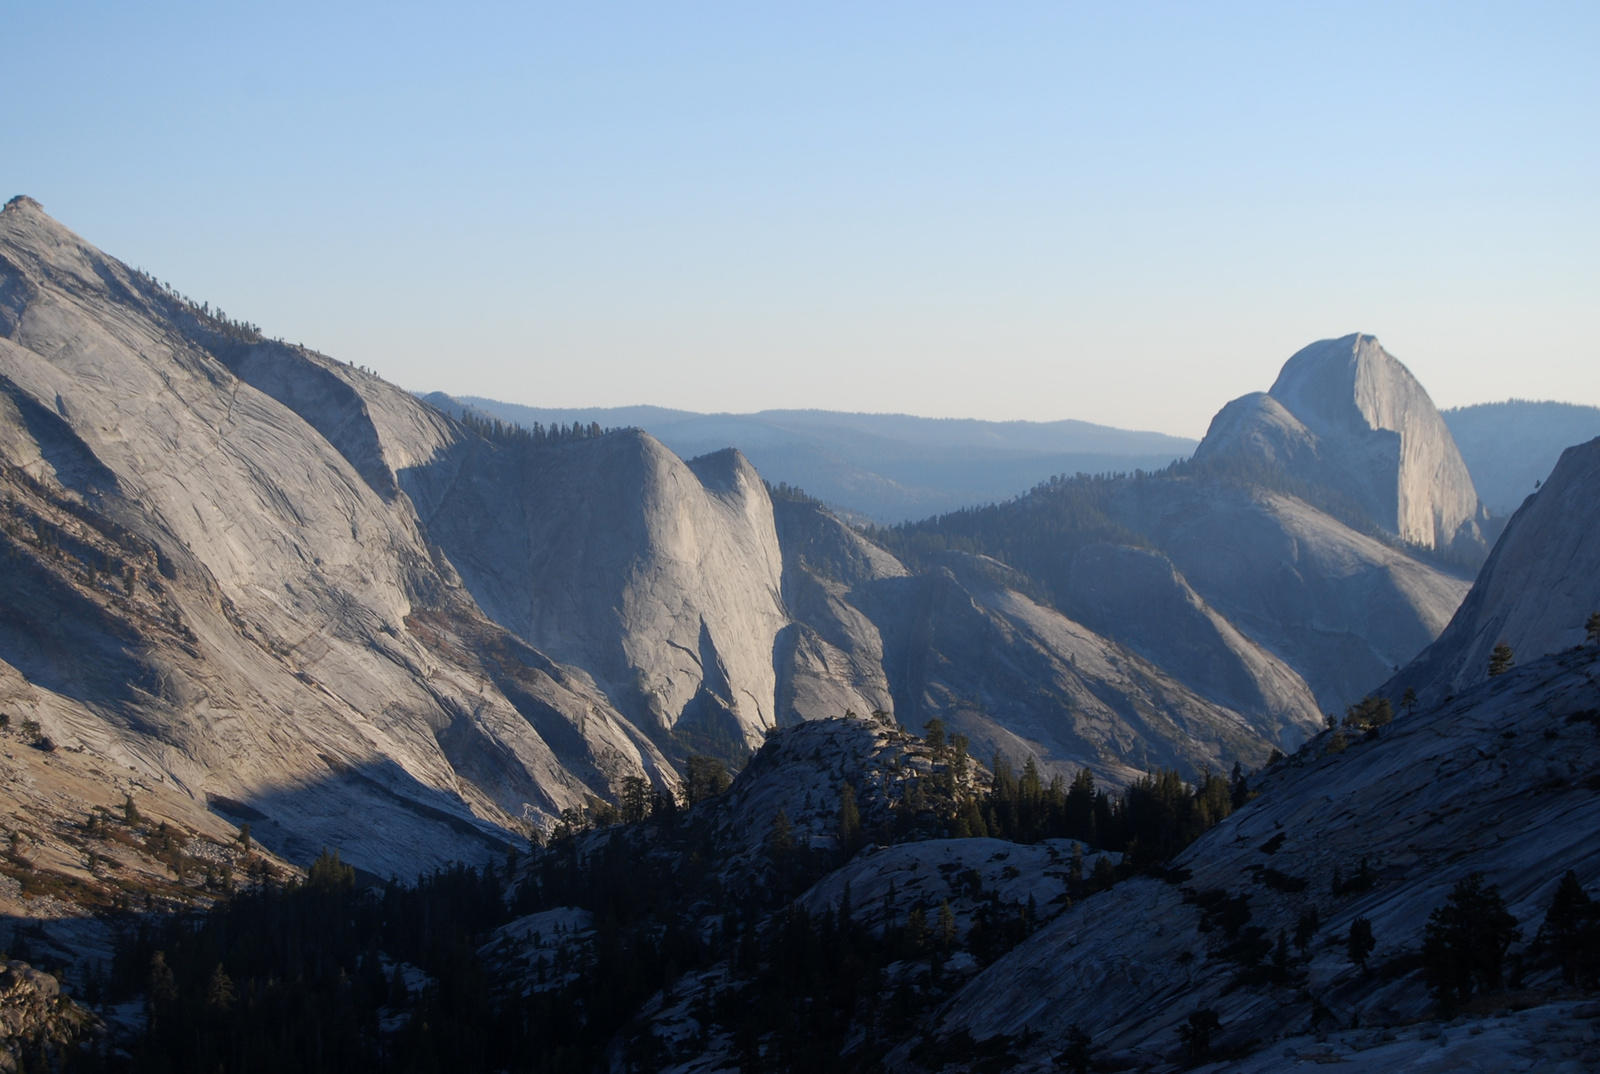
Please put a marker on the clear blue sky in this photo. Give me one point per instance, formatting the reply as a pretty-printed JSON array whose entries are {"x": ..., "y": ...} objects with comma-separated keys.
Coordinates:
[{"x": 1127, "y": 213}]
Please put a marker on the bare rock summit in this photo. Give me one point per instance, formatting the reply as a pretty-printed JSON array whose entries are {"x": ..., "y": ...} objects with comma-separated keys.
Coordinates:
[{"x": 1346, "y": 416}]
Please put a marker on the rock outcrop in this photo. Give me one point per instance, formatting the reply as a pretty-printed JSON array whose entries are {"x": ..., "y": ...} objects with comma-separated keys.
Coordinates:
[
  {"x": 36, "y": 1020},
  {"x": 1535, "y": 593},
  {"x": 830, "y": 660},
  {"x": 1346, "y": 416},
  {"x": 660, "y": 578}
]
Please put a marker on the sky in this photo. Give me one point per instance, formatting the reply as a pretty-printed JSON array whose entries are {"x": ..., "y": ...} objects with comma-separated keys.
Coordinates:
[{"x": 1125, "y": 213}]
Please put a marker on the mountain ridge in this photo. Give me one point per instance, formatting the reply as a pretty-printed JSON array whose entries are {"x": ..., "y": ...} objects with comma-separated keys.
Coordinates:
[{"x": 877, "y": 467}]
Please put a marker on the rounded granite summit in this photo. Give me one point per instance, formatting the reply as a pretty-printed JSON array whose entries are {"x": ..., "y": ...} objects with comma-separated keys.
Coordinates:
[{"x": 1345, "y": 414}]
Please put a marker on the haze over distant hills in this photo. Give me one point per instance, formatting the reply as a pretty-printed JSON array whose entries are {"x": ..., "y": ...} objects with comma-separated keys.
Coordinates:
[
  {"x": 1511, "y": 445},
  {"x": 884, "y": 468}
]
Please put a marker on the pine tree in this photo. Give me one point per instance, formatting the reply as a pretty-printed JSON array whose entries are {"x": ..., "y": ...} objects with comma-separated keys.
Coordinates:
[
  {"x": 1591, "y": 629},
  {"x": 1080, "y": 807},
  {"x": 917, "y": 928},
  {"x": 635, "y": 799},
  {"x": 1305, "y": 929},
  {"x": 704, "y": 777},
  {"x": 1572, "y": 930},
  {"x": 1360, "y": 942},
  {"x": 1105, "y": 874},
  {"x": 161, "y": 987},
  {"x": 1075, "y": 1056},
  {"x": 1408, "y": 701},
  {"x": 947, "y": 925},
  {"x": 1196, "y": 1034},
  {"x": 219, "y": 990},
  {"x": 1501, "y": 659},
  {"x": 328, "y": 873},
  {"x": 1465, "y": 943},
  {"x": 849, "y": 821},
  {"x": 780, "y": 837}
]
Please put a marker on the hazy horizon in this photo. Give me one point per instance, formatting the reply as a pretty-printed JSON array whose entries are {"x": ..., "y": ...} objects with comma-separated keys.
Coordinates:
[
  {"x": 1124, "y": 214},
  {"x": 580, "y": 409}
]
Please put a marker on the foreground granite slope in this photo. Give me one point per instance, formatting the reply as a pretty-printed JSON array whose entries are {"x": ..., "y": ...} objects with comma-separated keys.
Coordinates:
[{"x": 1497, "y": 781}]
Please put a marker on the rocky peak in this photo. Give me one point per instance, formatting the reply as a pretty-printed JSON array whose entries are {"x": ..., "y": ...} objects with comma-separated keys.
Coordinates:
[
  {"x": 1346, "y": 415},
  {"x": 662, "y": 578}
]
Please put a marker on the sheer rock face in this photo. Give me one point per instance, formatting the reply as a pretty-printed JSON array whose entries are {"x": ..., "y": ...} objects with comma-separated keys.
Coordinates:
[
  {"x": 661, "y": 578},
  {"x": 1343, "y": 609},
  {"x": 830, "y": 660},
  {"x": 1537, "y": 590},
  {"x": 234, "y": 604},
  {"x": 1344, "y": 414}
]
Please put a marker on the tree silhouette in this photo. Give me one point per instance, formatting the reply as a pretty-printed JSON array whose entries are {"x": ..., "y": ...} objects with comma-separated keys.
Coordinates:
[
  {"x": 1500, "y": 659},
  {"x": 1591, "y": 629},
  {"x": 1075, "y": 1056},
  {"x": 1196, "y": 1033},
  {"x": 1360, "y": 942},
  {"x": 1465, "y": 943},
  {"x": 849, "y": 821},
  {"x": 1305, "y": 929},
  {"x": 1572, "y": 930}
]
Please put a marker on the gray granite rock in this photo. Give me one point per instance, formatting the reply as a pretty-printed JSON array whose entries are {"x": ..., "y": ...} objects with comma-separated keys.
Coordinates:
[
  {"x": 1535, "y": 593},
  {"x": 1345, "y": 415}
]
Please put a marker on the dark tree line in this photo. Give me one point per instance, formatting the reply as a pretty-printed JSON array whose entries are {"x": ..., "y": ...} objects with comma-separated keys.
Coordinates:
[
  {"x": 294, "y": 977},
  {"x": 1149, "y": 821},
  {"x": 311, "y": 975},
  {"x": 535, "y": 435}
]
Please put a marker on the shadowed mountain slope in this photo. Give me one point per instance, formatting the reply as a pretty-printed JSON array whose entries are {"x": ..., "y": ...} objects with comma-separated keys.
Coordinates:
[
  {"x": 1478, "y": 785},
  {"x": 1536, "y": 592}
]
